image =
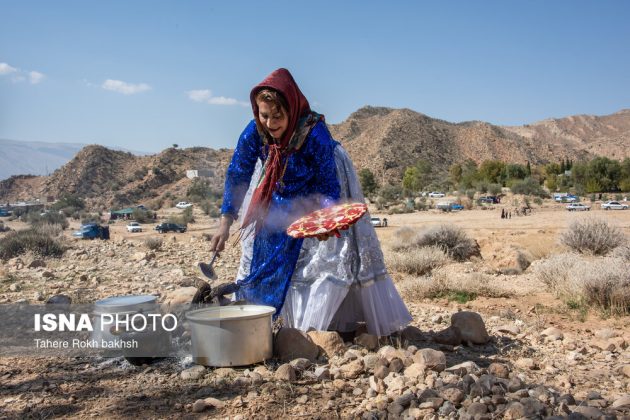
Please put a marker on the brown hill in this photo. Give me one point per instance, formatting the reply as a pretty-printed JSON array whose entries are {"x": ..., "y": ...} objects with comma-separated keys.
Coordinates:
[
  {"x": 607, "y": 135},
  {"x": 384, "y": 140},
  {"x": 108, "y": 178},
  {"x": 388, "y": 140}
]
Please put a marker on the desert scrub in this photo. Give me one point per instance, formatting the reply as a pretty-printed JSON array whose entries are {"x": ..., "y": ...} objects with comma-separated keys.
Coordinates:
[
  {"x": 417, "y": 261},
  {"x": 4, "y": 228},
  {"x": 603, "y": 283},
  {"x": 592, "y": 236},
  {"x": 460, "y": 288},
  {"x": 452, "y": 240},
  {"x": 153, "y": 243},
  {"x": 41, "y": 243}
]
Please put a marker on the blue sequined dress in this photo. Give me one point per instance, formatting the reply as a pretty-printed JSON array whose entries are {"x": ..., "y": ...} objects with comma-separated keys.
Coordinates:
[{"x": 333, "y": 284}]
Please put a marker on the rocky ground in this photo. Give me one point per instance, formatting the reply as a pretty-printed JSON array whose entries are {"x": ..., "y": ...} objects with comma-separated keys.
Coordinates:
[{"x": 526, "y": 356}]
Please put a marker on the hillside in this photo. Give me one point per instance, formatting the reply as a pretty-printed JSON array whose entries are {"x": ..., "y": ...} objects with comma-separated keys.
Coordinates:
[{"x": 384, "y": 140}]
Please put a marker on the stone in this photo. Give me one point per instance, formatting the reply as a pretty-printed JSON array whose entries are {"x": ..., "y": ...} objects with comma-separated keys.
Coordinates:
[
  {"x": 368, "y": 341},
  {"x": 451, "y": 336},
  {"x": 588, "y": 412},
  {"x": 509, "y": 329},
  {"x": 454, "y": 395},
  {"x": 322, "y": 373},
  {"x": 396, "y": 365},
  {"x": 411, "y": 333},
  {"x": 352, "y": 370},
  {"x": 621, "y": 403},
  {"x": 415, "y": 372},
  {"x": 291, "y": 343},
  {"x": 214, "y": 402},
  {"x": 329, "y": 341},
  {"x": 476, "y": 409},
  {"x": 552, "y": 334},
  {"x": 199, "y": 406},
  {"x": 463, "y": 368},
  {"x": 376, "y": 384},
  {"x": 471, "y": 326},
  {"x": 224, "y": 372},
  {"x": 36, "y": 263},
  {"x": 181, "y": 296},
  {"x": 388, "y": 353},
  {"x": 625, "y": 370},
  {"x": 525, "y": 363},
  {"x": 515, "y": 384},
  {"x": 370, "y": 360},
  {"x": 381, "y": 372},
  {"x": 193, "y": 373},
  {"x": 499, "y": 370},
  {"x": 430, "y": 359},
  {"x": 514, "y": 411},
  {"x": 285, "y": 373},
  {"x": 300, "y": 364}
]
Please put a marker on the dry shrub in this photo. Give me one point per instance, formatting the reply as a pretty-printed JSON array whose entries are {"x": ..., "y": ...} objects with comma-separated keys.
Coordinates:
[
  {"x": 464, "y": 287},
  {"x": 451, "y": 239},
  {"x": 603, "y": 282},
  {"x": 404, "y": 238},
  {"x": 19, "y": 242},
  {"x": 622, "y": 252},
  {"x": 4, "y": 228},
  {"x": 592, "y": 236},
  {"x": 53, "y": 230},
  {"x": 418, "y": 261},
  {"x": 153, "y": 243}
]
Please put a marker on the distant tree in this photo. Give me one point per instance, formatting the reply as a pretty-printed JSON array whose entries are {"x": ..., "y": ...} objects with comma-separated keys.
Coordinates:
[
  {"x": 529, "y": 169},
  {"x": 368, "y": 182},
  {"x": 455, "y": 174},
  {"x": 175, "y": 145}
]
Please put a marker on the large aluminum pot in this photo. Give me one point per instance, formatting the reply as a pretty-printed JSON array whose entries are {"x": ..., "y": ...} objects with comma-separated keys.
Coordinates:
[{"x": 236, "y": 335}]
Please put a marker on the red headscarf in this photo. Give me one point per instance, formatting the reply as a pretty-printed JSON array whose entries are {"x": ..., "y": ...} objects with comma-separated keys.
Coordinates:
[{"x": 282, "y": 82}]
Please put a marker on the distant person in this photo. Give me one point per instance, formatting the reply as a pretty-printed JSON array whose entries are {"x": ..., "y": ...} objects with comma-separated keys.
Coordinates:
[
  {"x": 502, "y": 213},
  {"x": 291, "y": 165},
  {"x": 384, "y": 221}
]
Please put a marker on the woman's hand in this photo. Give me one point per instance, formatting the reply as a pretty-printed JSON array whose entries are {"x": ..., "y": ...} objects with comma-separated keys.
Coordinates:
[{"x": 217, "y": 244}]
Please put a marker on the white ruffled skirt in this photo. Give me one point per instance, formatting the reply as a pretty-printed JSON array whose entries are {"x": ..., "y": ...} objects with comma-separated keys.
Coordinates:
[{"x": 341, "y": 282}]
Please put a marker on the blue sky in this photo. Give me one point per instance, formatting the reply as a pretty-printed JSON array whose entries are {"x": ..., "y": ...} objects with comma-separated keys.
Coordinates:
[{"x": 143, "y": 75}]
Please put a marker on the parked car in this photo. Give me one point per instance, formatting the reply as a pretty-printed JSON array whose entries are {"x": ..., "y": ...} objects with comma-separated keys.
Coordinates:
[
  {"x": 377, "y": 222},
  {"x": 170, "y": 227},
  {"x": 183, "y": 205},
  {"x": 578, "y": 207},
  {"x": 435, "y": 194},
  {"x": 614, "y": 205},
  {"x": 489, "y": 199},
  {"x": 449, "y": 206},
  {"x": 134, "y": 227},
  {"x": 92, "y": 231},
  {"x": 4, "y": 213}
]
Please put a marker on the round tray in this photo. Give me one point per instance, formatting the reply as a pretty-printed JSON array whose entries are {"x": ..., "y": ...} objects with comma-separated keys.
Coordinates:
[{"x": 326, "y": 221}]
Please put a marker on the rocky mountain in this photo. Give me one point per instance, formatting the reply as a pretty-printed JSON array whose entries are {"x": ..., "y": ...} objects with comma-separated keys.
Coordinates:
[
  {"x": 384, "y": 140},
  {"x": 388, "y": 140},
  {"x": 607, "y": 135},
  {"x": 107, "y": 178}
]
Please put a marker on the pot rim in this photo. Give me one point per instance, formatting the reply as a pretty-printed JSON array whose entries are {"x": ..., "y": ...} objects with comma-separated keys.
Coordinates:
[{"x": 255, "y": 311}]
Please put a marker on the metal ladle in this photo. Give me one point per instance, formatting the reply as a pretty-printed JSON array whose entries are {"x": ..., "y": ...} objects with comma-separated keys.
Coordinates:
[{"x": 207, "y": 270}]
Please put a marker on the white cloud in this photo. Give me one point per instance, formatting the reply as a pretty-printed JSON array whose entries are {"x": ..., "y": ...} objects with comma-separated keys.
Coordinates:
[
  {"x": 199, "y": 95},
  {"x": 6, "y": 69},
  {"x": 124, "y": 87},
  {"x": 35, "y": 77},
  {"x": 205, "y": 95}
]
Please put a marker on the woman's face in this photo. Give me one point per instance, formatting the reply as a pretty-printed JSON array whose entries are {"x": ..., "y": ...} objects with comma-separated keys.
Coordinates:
[{"x": 274, "y": 119}]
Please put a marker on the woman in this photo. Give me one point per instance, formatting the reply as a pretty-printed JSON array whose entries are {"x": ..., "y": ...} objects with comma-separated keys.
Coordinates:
[{"x": 285, "y": 165}]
